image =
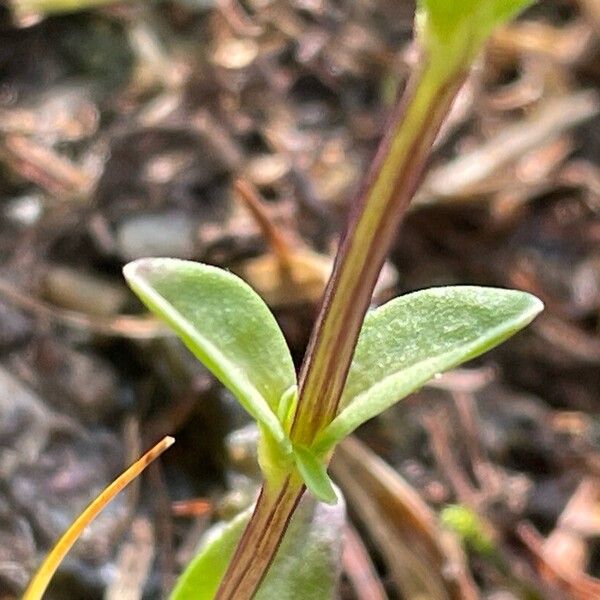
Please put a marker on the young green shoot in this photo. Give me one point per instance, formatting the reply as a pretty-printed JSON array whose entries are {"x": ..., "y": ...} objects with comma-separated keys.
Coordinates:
[{"x": 355, "y": 367}]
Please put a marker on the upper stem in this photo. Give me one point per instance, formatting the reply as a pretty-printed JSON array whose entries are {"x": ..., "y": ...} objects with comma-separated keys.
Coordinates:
[
  {"x": 381, "y": 204},
  {"x": 385, "y": 196}
]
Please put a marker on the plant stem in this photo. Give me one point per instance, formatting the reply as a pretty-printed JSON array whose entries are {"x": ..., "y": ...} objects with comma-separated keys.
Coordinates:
[
  {"x": 382, "y": 202},
  {"x": 261, "y": 539}
]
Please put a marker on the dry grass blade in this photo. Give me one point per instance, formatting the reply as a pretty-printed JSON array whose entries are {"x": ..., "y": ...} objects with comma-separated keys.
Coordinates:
[
  {"x": 127, "y": 326},
  {"x": 55, "y": 173},
  {"x": 134, "y": 562},
  {"x": 359, "y": 568},
  {"x": 424, "y": 560},
  {"x": 248, "y": 194},
  {"x": 460, "y": 177},
  {"x": 44, "y": 574},
  {"x": 575, "y": 584},
  {"x": 562, "y": 557}
]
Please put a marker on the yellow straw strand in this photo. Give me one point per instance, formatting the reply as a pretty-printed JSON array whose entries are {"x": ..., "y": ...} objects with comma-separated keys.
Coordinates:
[{"x": 37, "y": 586}]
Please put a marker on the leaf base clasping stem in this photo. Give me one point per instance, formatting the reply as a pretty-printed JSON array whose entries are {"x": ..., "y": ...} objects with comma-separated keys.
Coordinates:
[{"x": 385, "y": 196}]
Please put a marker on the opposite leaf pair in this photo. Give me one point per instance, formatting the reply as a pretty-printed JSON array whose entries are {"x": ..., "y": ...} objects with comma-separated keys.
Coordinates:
[{"x": 401, "y": 346}]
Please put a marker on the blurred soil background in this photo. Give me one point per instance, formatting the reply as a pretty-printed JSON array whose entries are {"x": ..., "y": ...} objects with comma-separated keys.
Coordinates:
[{"x": 235, "y": 132}]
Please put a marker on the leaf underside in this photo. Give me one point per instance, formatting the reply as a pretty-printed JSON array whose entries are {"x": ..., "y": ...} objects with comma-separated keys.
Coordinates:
[
  {"x": 226, "y": 326},
  {"x": 412, "y": 338},
  {"x": 306, "y": 566},
  {"x": 202, "y": 576}
]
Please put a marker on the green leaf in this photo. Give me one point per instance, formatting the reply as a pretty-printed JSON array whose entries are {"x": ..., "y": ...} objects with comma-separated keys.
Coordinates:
[
  {"x": 203, "y": 574},
  {"x": 226, "y": 326},
  {"x": 287, "y": 404},
  {"x": 412, "y": 338},
  {"x": 449, "y": 19},
  {"x": 454, "y": 31},
  {"x": 47, "y": 7},
  {"x": 314, "y": 474},
  {"x": 504, "y": 10},
  {"x": 306, "y": 566}
]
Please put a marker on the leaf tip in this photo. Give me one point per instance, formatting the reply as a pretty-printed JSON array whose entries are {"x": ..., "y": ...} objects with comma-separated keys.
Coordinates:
[
  {"x": 141, "y": 266},
  {"x": 314, "y": 474},
  {"x": 330, "y": 499},
  {"x": 131, "y": 271},
  {"x": 537, "y": 306},
  {"x": 534, "y": 307}
]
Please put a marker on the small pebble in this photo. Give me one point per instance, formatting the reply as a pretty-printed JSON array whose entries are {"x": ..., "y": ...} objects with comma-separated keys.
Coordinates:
[{"x": 167, "y": 234}]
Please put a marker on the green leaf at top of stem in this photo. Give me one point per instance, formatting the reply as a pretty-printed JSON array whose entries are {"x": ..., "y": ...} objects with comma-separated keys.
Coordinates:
[
  {"x": 227, "y": 326},
  {"x": 453, "y": 31},
  {"x": 407, "y": 341}
]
